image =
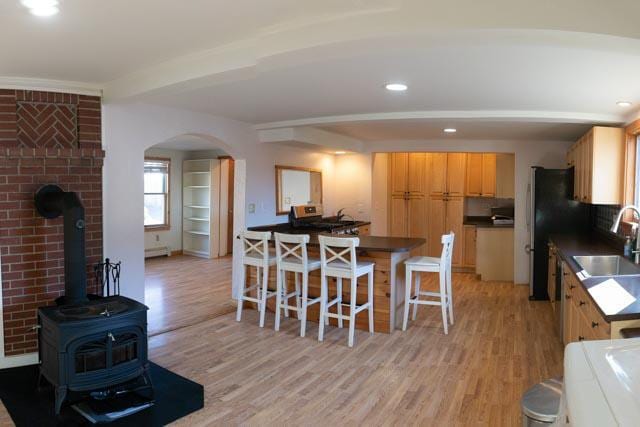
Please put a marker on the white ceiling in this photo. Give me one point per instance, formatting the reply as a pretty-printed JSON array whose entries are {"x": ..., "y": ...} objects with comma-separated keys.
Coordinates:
[
  {"x": 324, "y": 63},
  {"x": 189, "y": 143}
]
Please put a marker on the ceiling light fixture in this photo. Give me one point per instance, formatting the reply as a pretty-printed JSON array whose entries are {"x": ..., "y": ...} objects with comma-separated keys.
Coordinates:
[
  {"x": 623, "y": 104},
  {"x": 396, "y": 87},
  {"x": 450, "y": 130},
  {"x": 41, "y": 7},
  {"x": 340, "y": 152}
]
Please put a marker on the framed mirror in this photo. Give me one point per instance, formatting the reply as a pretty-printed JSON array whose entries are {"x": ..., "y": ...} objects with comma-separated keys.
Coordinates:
[{"x": 297, "y": 186}]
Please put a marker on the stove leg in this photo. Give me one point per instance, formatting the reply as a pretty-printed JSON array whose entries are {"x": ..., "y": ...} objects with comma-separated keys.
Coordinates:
[{"x": 61, "y": 394}]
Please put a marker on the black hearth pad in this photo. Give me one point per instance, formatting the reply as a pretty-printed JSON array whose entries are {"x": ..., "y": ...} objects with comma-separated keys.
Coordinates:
[{"x": 175, "y": 397}]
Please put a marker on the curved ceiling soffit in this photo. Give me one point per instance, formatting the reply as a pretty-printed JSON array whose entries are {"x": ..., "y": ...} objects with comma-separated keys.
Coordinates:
[
  {"x": 243, "y": 60},
  {"x": 212, "y": 141}
]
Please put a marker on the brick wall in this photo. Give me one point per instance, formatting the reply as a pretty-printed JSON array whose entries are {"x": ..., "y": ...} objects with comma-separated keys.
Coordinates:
[{"x": 45, "y": 138}]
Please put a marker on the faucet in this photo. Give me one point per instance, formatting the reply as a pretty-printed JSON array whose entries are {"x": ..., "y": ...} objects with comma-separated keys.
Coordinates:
[
  {"x": 616, "y": 225},
  {"x": 340, "y": 215}
]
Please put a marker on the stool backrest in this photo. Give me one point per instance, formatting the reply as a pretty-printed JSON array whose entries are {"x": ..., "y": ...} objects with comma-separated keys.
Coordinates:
[
  {"x": 255, "y": 244},
  {"x": 291, "y": 247},
  {"x": 340, "y": 250},
  {"x": 447, "y": 249}
]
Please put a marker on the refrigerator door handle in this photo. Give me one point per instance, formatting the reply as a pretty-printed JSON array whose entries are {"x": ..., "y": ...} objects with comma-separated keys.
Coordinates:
[{"x": 528, "y": 249}]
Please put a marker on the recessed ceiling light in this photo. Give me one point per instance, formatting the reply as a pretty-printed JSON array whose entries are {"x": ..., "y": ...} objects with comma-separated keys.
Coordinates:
[
  {"x": 450, "y": 130},
  {"x": 340, "y": 152},
  {"x": 41, "y": 7},
  {"x": 396, "y": 87},
  {"x": 623, "y": 104}
]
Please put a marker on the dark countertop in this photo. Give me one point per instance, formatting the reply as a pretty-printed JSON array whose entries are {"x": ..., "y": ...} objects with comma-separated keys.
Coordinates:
[
  {"x": 367, "y": 243},
  {"x": 483, "y": 222},
  {"x": 570, "y": 245},
  {"x": 285, "y": 227}
]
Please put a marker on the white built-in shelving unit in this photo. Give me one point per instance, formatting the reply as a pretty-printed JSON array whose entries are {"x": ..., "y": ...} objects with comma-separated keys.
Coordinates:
[{"x": 200, "y": 207}]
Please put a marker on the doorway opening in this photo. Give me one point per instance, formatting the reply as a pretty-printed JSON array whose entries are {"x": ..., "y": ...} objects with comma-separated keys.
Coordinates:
[{"x": 188, "y": 220}]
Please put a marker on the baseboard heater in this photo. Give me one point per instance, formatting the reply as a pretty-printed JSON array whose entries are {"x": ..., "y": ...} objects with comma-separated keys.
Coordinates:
[{"x": 159, "y": 251}]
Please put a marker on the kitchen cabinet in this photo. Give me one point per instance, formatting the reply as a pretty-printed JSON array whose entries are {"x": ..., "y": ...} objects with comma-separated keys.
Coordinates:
[
  {"x": 481, "y": 175},
  {"x": 447, "y": 174},
  {"x": 505, "y": 176},
  {"x": 364, "y": 230},
  {"x": 469, "y": 249},
  {"x": 582, "y": 320},
  {"x": 598, "y": 162},
  {"x": 551, "y": 276},
  {"x": 408, "y": 199},
  {"x": 445, "y": 215}
]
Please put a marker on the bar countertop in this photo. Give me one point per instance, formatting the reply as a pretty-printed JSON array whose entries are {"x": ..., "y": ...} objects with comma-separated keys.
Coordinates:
[
  {"x": 367, "y": 243},
  {"x": 570, "y": 245}
]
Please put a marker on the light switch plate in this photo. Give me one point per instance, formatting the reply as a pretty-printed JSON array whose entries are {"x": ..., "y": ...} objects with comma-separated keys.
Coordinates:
[{"x": 252, "y": 208}]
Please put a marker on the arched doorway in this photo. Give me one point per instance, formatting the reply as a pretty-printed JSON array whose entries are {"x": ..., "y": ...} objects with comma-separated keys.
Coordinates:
[{"x": 191, "y": 196}]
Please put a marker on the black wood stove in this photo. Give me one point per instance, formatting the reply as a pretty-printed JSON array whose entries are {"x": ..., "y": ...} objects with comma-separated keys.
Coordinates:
[{"x": 88, "y": 344}]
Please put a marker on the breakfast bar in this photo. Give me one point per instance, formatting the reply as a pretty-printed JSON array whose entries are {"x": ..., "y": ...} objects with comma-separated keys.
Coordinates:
[{"x": 388, "y": 254}]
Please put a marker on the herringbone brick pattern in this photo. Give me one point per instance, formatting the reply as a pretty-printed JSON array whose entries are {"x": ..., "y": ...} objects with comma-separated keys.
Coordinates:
[{"x": 46, "y": 125}]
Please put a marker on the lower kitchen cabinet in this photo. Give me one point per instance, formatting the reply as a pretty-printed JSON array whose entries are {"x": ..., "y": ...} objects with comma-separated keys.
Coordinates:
[
  {"x": 469, "y": 249},
  {"x": 582, "y": 320}
]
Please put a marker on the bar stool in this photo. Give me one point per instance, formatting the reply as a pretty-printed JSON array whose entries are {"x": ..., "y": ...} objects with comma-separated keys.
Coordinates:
[
  {"x": 440, "y": 265},
  {"x": 291, "y": 256},
  {"x": 256, "y": 254},
  {"x": 338, "y": 259}
]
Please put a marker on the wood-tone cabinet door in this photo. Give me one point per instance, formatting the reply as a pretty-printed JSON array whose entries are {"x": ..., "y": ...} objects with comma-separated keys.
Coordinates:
[
  {"x": 578, "y": 172},
  {"x": 436, "y": 225},
  {"x": 455, "y": 214},
  {"x": 399, "y": 172},
  {"x": 469, "y": 249},
  {"x": 488, "y": 175},
  {"x": 456, "y": 171},
  {"x": 474, "y": 175},
  {"x": 417, "y": 221},
  {"x": 398, "y": 216},
  {"x": 438, "y": 173},
  {"x": 588, "y": 167},
  {"x": 417, "y": 169}
]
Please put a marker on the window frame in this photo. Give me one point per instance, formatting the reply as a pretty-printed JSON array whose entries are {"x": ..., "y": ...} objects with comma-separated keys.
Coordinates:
[{"x": 167, "y": 196}]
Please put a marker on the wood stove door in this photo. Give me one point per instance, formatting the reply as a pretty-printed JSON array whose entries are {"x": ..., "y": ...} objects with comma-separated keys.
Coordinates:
[{"x": 107, "y": 357}]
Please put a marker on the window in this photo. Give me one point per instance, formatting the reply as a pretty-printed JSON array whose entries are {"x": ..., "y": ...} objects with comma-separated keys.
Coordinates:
[{"x": 156, "y": 193}]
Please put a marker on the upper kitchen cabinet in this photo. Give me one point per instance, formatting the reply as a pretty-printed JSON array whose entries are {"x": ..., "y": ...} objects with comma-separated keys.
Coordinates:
[
  {"x": 447, "y": 174},
  {"x": 598, "y": 162},
  {"x": 505, "y": 176},
  {"x": 481, "y": 175}
]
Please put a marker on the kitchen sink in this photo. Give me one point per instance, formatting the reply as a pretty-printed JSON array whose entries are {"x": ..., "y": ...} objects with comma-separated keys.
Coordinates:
[{"x": 607, "y": 265}]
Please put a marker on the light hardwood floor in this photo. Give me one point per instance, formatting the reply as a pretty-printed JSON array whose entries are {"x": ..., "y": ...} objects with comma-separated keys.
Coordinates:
[
  {"x": 501, "y": 344},
  {"x": 185, "y": 290}
]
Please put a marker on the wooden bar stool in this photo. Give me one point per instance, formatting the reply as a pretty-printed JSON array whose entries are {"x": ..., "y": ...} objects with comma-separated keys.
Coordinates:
[
  {"x": 291, "y": 255},
  {"x": 338, "y": 259},
  {"x": 256, "y": 254},
  {"x": 441, "y": 265}
]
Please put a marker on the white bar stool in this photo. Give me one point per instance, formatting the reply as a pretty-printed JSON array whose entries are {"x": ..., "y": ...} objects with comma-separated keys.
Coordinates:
[
  {"x": 440, "y": 265},
  {"x": 256, "y": 254},
  {"x": 338, "y": 259},
  {"x": 291, "y": 255}
]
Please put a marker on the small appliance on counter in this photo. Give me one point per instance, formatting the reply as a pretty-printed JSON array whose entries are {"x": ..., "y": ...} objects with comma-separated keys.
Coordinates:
[
  {"x": 502, "y": 215},
  {"x": 310, "y": 217}
]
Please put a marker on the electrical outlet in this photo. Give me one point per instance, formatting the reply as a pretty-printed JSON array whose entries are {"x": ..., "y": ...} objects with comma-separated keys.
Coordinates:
[
  {"x": 157, "y": 237},
  {"x": 252, "y": 208}
]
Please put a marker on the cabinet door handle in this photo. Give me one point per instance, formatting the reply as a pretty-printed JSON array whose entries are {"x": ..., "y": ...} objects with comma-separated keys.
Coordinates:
[
  {"x": 567, "y": 296},
  {"x": 582, "y": 303},
  {"x": 580, "y": 338},
  {"x": 572, "y": 286},
  {"x": 595, "y": 324}
]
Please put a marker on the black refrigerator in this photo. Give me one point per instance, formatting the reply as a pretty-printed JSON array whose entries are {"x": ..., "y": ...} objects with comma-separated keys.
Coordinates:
[{"x": 550, "y": 210}]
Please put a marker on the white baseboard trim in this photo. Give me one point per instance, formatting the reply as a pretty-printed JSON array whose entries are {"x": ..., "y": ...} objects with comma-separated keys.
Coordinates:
[{"x": 21, "y": 360}]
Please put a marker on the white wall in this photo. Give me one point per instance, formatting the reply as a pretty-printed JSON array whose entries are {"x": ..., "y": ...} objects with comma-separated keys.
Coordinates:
[
  {"x": 527, "y": 154},
  {"x": 130, "y": 129},
  {"x": 173, "y": 236}
]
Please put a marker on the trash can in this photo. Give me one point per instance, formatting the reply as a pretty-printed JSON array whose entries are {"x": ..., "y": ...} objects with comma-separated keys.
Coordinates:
[{"x": 541, "y": 403}]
